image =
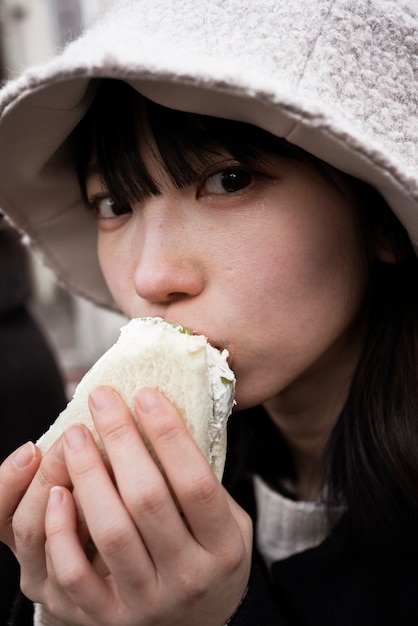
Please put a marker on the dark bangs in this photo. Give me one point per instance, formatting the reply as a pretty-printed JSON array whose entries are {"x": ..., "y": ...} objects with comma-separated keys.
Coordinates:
[{"x": 120, "y": 121}]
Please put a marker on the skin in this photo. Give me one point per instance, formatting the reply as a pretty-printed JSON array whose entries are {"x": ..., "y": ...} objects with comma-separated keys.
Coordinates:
[{"x": 275, "y": 272}]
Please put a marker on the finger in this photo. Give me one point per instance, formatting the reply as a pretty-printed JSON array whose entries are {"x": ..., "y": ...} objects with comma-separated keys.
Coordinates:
[
  {"x": 16, "y": 474},
  {"x": 220, "y": 554},
  {"x": 109, "y": 523},
  {"x": 202, "y": 498},
  {"x": 29, "y": 518},
  {"x": 73, "y": 581},
  {"x": 141, "y": 485}
]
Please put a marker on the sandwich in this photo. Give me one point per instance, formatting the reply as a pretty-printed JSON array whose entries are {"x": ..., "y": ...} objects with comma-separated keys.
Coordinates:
[{"x": 191, "y": 373}]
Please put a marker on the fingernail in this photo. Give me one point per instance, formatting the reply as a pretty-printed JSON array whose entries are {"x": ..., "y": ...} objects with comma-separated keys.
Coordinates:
[
  {"x": 24, "y": 455},
  {"x": 148, "y": 400},
  {"x": 102, "y": 397},
  {"x": 75, "y": 437},
  {"x": 56, "y": 496}
]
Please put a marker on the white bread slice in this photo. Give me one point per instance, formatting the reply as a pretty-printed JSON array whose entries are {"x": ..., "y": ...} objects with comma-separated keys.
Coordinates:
[{"x": 190, "y": 372}]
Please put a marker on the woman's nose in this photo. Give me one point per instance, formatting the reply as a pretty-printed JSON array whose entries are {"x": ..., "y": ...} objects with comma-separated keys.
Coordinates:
[{"x": 168, "y": 267}]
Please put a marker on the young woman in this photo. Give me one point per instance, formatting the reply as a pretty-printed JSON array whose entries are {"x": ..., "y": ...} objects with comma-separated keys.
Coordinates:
[{"x": 235, "y": 168}]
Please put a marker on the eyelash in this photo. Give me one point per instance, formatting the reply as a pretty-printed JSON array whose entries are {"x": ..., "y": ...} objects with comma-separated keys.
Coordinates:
[{"x": 234, "y": 171}]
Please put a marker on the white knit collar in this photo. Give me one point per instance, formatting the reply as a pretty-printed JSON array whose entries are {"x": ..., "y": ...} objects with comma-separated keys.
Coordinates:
[{"x": 285, "y": 527}]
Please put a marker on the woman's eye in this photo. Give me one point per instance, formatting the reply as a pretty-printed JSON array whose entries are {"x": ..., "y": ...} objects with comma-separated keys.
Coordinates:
[
  {"x": 106, "y": 208},
  {"x": 227, "y": 181}
]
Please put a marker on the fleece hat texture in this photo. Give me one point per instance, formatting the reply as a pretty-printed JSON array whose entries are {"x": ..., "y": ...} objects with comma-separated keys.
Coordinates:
[{"x": 338, "y": 78}]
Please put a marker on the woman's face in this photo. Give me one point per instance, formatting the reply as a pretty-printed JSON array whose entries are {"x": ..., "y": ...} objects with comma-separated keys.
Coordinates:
[{"x": 267, "y": 263}]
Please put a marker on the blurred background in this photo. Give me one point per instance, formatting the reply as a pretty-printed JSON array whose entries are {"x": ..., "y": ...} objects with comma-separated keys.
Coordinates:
[{"x": 32, "y": 31}]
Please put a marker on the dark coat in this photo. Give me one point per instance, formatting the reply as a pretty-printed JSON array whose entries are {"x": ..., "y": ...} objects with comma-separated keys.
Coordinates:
[{"x": 329, "y": 585}]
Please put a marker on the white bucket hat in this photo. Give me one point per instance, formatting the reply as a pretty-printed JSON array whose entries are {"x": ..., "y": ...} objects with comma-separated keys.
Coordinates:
[{"x": 338, "y": 78}]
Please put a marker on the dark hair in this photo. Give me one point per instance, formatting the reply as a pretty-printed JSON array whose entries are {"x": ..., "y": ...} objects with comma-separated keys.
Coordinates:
[
  {"x": 184, "y": 143},
  {"x": 373, "y": 450},
  {"x": 371, "y": 463}
]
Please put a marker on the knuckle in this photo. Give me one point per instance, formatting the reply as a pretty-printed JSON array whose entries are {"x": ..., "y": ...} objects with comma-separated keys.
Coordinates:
[
  {"x": 27, "y": 587},
  {"x": 23, "y": 533},
  {"x": 72, "y": 579},
  {"x": 53, "y": 530},
  {"x": 168, "y": 433},
  {"x": 114, "y": 540},
  {"x": 44, "y": 479},
  {"x": 83, "y": 469},
  {"x": 152, "y": 499},
  {"x": 233, "y": 558},
  {"x": 246, "y": 525},
  {"x": 192, "y": 587},
  {"x": 203, "y": 488},
  {"x": 249, "y": 531},
  {"x": 116, "y": 430}
]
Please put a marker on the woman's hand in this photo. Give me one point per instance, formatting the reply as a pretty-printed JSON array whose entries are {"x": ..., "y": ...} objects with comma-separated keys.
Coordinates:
[{"x": 165, "y": 555}]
